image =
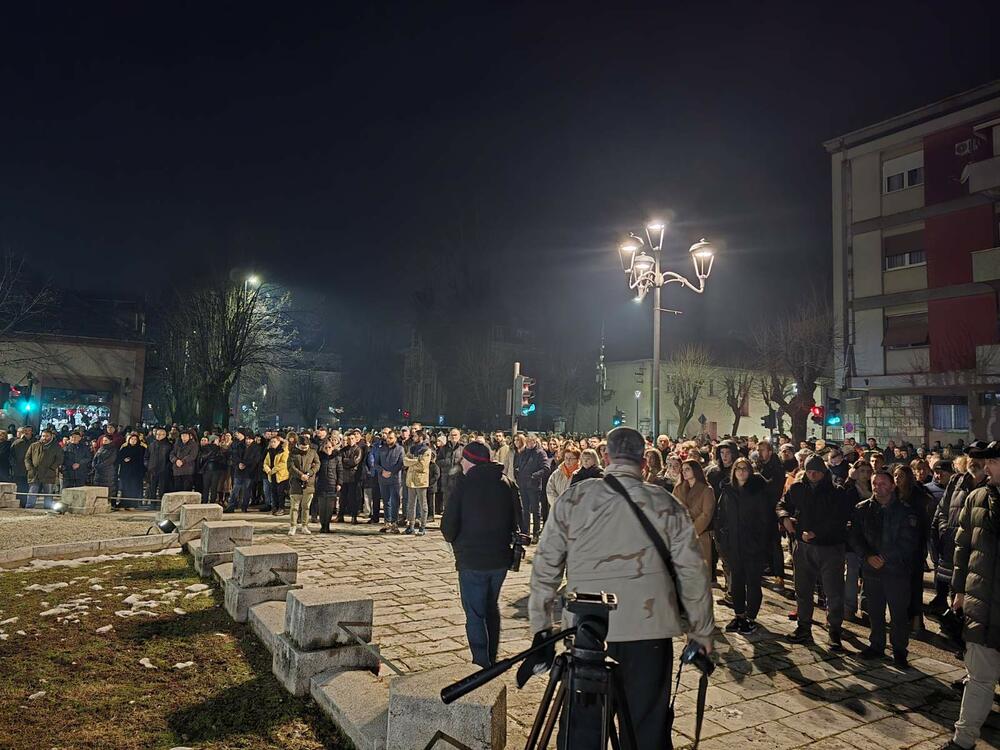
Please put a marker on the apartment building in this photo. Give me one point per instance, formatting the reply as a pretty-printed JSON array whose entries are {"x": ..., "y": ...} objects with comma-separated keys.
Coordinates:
[{"x": 916, "y": 272}]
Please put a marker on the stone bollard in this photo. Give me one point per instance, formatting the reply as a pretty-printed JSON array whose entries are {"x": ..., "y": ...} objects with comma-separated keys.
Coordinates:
[
  {"x": 416, "y": 713},
  {"x": 192, "y": 516},
  {"x": 86, "y": 501},
  {"x": 218, "y": 540},
  {"x": 170, "y": 505},
  {"x": 313, "y": 643},
  {"x": 263, "y": 573},
  {"x": 8, "y": 495}
]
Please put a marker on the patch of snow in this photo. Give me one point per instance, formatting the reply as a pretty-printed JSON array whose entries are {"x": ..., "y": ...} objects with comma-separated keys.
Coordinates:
[
  {"x": 105, "y": 629},
  {"x": 196, "y": 587},
  {"x": 147, "y": 663},
  {"x": 36, "y": 696}
]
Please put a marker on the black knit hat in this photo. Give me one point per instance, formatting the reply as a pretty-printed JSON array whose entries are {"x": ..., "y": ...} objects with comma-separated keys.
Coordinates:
[{"x": 476, "y": 453}]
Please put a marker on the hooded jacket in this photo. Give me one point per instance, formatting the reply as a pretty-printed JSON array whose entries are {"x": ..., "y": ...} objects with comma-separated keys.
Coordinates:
[
  {"x": 558, "y": 482},
  {"x": 824, "y": 509},
  {"x": 328, "y": 478},
  {"x": 740, "y": 522},
  {"x": 302, "y": 462},
  {"x": 977, "y": 565},
  {"x": 482, "y": 513},
  {"x": 418, "y": 466},
  {"x": 718, "y": 474},
  {"x": 944, "y": 525},
  {"x": 276, "y": 463},
  {"x": 594, "y": 537}
]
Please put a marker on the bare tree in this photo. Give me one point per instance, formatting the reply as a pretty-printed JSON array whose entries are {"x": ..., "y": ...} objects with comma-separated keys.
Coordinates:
[
  {"x": 24, "y": 301},
  {"x": 797, "y": 346},
  {"x": 738, "y": 383},
  {"x": 308, "y": 393},
  {"x": 776, "y": 391},
  {"x": 690, "y": 368},
  {"x": 568, "y": 383}
]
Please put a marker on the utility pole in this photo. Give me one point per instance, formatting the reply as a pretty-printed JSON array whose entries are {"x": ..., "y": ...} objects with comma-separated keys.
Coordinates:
[
  {"x": 515, "y": 395},
  {"x": 602, "y": 380}
]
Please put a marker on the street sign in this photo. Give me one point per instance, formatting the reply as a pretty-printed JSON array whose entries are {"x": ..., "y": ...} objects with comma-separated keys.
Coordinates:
[
  {"x": 638, "y": 394},
  {"x": 702, "y": 419},
  {"x": 849, "y": 427}
]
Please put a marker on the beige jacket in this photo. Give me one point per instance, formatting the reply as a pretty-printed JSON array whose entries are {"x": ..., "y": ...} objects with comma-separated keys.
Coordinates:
[
  {"x": 700, "y": 503},
  {"x": 593, "y": 535}
]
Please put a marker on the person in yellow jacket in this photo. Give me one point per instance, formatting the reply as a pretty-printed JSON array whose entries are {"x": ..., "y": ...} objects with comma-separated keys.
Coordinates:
[
  {"x": 418, "y": 465},
  {"x": 276, "y": 471}
]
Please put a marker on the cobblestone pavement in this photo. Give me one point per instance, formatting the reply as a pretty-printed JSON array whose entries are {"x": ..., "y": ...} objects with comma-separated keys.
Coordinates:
[{"x": 766, "y": 693}]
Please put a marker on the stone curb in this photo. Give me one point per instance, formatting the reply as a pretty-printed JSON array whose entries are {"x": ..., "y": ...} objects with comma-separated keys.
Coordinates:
[{"x": 69, "y": 550}]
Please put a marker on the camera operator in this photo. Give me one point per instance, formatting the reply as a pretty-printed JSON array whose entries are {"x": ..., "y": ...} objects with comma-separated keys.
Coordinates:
[
  {"x": 596, "y": 538},
  {"x": 480, "y": 518}
]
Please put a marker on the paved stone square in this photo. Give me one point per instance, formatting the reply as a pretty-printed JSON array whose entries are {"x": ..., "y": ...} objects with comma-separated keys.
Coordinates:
[{"x": 766, "y": 693}]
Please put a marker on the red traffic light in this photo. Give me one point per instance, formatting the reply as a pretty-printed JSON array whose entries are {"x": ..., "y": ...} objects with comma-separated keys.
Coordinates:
[{"x": 816, "y": 411}]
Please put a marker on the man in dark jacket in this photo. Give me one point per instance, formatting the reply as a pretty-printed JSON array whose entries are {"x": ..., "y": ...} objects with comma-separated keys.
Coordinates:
[
  {"x": 944, "y": 525},
  {"x": 5, "y": 467},
  {"x": 18, "y": 451},
  {"x": 886, "y": 534},
  {"x": 479, "y": 520},
  {"x": 977, "y": 596},
  {"x": 720, "y": 472},
  {"x": 531, "y": 469},
  {"x": 76, "y": 461},
  {"x": 770, "y": 468},
  {"x": 246, "y": 460},
  {"x": 389, "y": 468},
  {"x": 449, "y": 460},
  {"x": 158, "y": 463},
  {"x": 815, "y": 513}
]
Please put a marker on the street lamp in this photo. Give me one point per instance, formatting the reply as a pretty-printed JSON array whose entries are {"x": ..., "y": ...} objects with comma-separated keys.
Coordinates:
[
  {"x": 638, "y": 395},
  {"x": 641, "y": 264},
  {"x": 252, "y": 280}
]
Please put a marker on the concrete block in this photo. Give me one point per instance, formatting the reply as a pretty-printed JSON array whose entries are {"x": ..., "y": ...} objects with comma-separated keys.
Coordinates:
[
  {"x": 137, "y": 543},
  {"x": 294, "y": 668},
  {"x": 224, "y": 536},
  {"x": 267, "y": 620},
  {"x": 8, "y": 496},
  {"x": 86, "y": 500},
  {"x": 10, "y": 558},
  {"x": 239, "y": 600},
  {"x": 170, "y": 505},
  {"x": 193, "y": 514},
  {"x": 313, "y": 614},
  {"x": 265, "y": 565},
  {"x": 186, "y": 536},
  {"x": 222, "y": 573},
  {"x": 205, "y": 562},
  {"x": 358, "y": 702},
  {"x": 416, "y": 713}
]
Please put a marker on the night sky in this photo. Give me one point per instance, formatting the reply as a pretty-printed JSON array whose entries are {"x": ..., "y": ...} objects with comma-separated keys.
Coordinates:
[{"x": 346, "y": 149}]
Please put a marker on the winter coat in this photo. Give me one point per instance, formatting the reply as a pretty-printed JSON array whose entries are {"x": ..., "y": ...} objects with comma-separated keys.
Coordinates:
[
  {"x": 301, "y": 463},
  {"x": 718, "y": 474},
  {"x": 418, "y": 466},
  {"x": 839, "y": 473},
  {"x": 741, "y": 519},
  {"x": 450, "y": 463},
  {"x": 276, "y": 464},
  {"x": 42, "y": 462},
  {"x": 250, "y": 456},
  {"x": 558, "y": 483},
  {"x": 894, "y": 532},
  {"x": 130, "y": 462},
  {"x": 594, "y": 537},
  {"x": 158, "y": 456},
  {"x": 977, "y": 566},
  {"x": 18, "y": 452},
  {"x": 824, "y": 510},
  {"x": 351, "y": 463},
  {"x": 328, "y": 478},
  {"x": 531, "y": 466},
  {"x": 207, "y": 455},
  {"x": 592, "y": 472},
  {"x": 700, "y": 503},
  {"x": 434, "y": 479},
  {"x": 187, "y": 454},
  {"x": 504, "y": 455},
  {"x": 5, "y": 455},
  {"x": 105, "y": 465},
  {"x": 482, "y": 513},
  {"x": 389, "y": 458},
  {"x": 944, "y": 525},
  {"x": 76, "y": 454}
]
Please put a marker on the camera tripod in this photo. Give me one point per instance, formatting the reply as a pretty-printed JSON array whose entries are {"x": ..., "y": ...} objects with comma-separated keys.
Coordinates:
[{"x": 584, "y": 675}]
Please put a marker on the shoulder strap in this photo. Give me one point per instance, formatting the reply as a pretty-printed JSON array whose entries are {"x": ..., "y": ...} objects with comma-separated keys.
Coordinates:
[{"x": 654, "y": 537}]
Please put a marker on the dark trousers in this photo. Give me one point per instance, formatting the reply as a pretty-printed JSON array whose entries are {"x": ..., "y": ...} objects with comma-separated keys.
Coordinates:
[
  {"x": 131, "y": 487},
  {"x": 644, "y": 669},
  {"x": 157, "y": 485},
  {"x": 531, "y": 511},
  {"x": 480, "y": 592},
  {"x": 892, "y": 590},
  {"x": 326, "y": 503},
  {"x": 240, "y": 494},
  {"x": 814, "y": 563},
  {"x": 211, "y": 485},
  {"x": 279, "y": 491},
  {"x": 183, "y": 483},
  {"x": 745, "y": 587},
  {"x": 376, "y": 502},
  {"x": 776, "y": 555}
]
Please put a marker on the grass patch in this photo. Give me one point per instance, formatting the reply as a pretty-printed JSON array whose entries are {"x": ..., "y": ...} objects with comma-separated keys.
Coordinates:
[{"x": 97, "y": 695}]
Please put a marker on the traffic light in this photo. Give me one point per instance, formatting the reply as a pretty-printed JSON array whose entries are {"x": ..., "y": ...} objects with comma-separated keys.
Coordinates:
[
  {"x": 769, "y": 422},
  {"x": 618, "y": 419},
  {"x": 525, "y": 386},
  {"x": 833, "y": 418},
  {"x": 817, "y": 414},
  {"x": 406, "y": 413}
]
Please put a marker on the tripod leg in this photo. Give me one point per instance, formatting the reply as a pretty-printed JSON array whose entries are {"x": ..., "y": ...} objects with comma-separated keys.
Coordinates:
[
  {"x": 546, "y": 706},
  {"x": 624, "y": 716},
  {"x": 550, "y": 722}
]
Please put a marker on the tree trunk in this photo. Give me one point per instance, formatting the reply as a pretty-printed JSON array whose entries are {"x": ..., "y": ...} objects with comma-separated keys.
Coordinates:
[
  {"x": 798, "y": 412},
  {"x": 736, "y": 423}
]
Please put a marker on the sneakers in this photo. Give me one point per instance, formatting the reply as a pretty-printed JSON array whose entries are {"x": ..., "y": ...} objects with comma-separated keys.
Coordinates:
[
  {"x": 735, "y": 624},
  {"x": 393, "y": 529},
  {"x": 304, "y": 529},
  {"x": 801, "y": 635},
  {"x": 872, "y": 654},
  {"x": 747, "y": 627},
  {"x": 421, "y": 531},
  {"x": 408, "y": 530},
  {"x": 384, "y": 529},
  {"x": 291, "y": 531}
]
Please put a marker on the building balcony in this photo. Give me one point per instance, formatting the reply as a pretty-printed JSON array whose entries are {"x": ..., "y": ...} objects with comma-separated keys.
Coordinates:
[
  {"x": 983, "y": 176},
  {"x": 986, "y": 264},
  {"x": 988, "y": 359}
]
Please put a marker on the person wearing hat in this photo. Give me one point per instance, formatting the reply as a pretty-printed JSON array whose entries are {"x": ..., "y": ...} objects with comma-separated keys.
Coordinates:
[
  {"x": 815, "y": 513},
  {"x": 595, "y": 539},
  {"x": 482, "y": 514},
  {"x": 76, "y": 460},
  {"x": 977, "y": 595},
  {"x": 888, "y": 536}
]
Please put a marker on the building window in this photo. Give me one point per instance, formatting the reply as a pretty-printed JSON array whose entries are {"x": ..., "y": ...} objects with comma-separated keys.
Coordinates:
[
  {"x": 949, "y": 414},
  {"x": 905, "y": 260},
  {"x": 903, "y": 172},
  {"x": 905, "y": 331},
  {"x": 903, "y": 250}
]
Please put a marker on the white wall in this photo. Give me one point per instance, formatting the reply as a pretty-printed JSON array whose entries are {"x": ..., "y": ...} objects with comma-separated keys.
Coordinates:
[
  {"x": 868, "y": 334},
  {"x": 867, "y": 264}
]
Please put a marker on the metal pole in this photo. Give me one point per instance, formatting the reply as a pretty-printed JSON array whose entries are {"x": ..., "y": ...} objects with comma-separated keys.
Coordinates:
[
  {"x": 637, "y": 412},
  {"x": 654, "y": 423},
  {"x": 515, "y": 400}
]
